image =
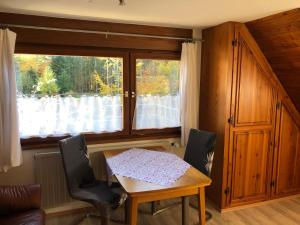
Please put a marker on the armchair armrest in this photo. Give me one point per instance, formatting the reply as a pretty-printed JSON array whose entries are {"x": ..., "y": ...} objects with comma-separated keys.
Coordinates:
[{"x": 19, "y": 198}]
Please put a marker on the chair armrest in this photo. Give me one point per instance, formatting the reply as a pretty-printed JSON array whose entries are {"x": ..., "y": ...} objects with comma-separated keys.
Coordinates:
[{"x": 19, "y": 198}]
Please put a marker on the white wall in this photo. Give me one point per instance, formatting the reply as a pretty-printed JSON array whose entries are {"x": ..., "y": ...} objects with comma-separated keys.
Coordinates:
[{"x": 23, "y": 174}]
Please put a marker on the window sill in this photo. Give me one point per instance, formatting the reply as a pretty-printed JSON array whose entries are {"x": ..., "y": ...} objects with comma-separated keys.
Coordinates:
[{"x": 42, "y": 143}]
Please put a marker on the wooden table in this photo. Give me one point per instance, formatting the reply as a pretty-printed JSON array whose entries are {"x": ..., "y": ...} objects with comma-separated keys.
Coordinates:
[{"x": 193, "y": 182}]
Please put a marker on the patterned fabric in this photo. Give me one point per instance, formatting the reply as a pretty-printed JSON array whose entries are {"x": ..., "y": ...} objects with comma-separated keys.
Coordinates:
[{"x": 150, "y": 166}]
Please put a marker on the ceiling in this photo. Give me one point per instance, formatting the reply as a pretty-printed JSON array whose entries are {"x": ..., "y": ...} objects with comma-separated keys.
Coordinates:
[
  {"x": 278, "y": 36},
  {"x": 176, "y": 13}
]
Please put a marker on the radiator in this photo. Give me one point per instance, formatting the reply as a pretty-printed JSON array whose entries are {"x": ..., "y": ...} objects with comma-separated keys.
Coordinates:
[{"x": 49, "y": 172}]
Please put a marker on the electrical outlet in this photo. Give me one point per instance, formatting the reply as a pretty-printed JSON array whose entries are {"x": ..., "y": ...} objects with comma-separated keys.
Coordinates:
[{"x": 175, "y": 144}]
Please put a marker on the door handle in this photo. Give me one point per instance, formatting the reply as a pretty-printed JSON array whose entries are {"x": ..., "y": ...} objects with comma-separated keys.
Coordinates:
[{"x": 231, "y": 119}]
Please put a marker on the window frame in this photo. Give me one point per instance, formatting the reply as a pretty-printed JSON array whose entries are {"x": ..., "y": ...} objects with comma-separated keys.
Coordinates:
[{"x": 129, "y": 57}]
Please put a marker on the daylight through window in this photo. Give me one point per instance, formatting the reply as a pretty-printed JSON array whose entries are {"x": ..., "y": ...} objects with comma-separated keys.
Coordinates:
[
  {"x": 60, "y": 95},
  {"x": 116, "y": 94},
  {"x": 157, "y": 94}
]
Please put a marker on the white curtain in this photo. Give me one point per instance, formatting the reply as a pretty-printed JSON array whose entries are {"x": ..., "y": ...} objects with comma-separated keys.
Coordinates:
[
  {"x": 10, "y": 148},
  {"x": 189, "y": 88}
]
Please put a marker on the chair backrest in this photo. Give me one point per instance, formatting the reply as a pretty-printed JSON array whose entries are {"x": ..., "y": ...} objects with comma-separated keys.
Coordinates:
[
  {"x": 200, "y": 149},
  {"x": 75, "y": 162}
]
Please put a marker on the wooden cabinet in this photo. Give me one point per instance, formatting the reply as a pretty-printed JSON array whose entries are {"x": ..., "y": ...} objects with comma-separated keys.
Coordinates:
[
  {"x": 287, "y": 155},
  {"x": 250, "y": 166},
  {"x": 257, "y": 155},
  {"x": 254, "y": 93}
]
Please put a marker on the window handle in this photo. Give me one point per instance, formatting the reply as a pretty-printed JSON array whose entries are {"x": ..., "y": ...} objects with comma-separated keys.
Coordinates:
[
  {"x": 126, "y": 94},
  {"x": 133, "y": 94}
]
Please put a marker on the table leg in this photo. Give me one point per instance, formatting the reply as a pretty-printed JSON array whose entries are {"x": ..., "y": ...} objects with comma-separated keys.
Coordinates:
[
  {"x": 132, "y": 211},
  {"x": 185, "y": 210},
  {"x": 201, "y": 203},
  {"x": 127, "y": 211}
]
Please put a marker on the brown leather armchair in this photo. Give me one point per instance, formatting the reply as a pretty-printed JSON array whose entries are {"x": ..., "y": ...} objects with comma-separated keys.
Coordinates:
[{"x": 21, "y": 205}]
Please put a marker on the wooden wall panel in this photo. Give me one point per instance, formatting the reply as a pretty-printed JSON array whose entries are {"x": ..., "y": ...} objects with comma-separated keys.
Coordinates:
[
  {"x": 31, "y": 35},
  {"x": 30, "y": 20},
  {"x": 61, "y": 38},
  {"x": 278, "y": 36},
  {"x": 215, "y": 95},
  {"x": 248, "y": 89}
]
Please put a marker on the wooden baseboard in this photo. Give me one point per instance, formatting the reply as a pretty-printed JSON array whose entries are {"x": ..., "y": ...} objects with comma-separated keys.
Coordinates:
[
  {"x": 257, "y": 203},
  {"x": 69, "y": 208}
]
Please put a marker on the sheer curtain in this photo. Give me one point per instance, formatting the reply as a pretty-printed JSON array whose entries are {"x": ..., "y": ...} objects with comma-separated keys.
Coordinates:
[
  {"x": 10, "y": 148},
  {"x": 189, "y": 88}
]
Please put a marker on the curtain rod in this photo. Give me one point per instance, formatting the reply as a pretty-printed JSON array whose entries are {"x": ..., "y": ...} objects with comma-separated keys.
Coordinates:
[{"x": 101, "y": 32}]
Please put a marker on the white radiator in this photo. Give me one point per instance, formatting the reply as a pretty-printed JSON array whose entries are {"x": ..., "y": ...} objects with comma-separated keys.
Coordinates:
[{"x": 49, "y": 172}]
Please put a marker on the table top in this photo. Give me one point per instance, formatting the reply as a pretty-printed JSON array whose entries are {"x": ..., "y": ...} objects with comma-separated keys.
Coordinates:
[{"x": 192, "y": 178}]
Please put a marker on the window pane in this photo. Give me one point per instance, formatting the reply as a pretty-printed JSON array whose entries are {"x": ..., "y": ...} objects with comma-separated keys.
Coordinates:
[
  {"x": 60, "y": 95},
  {"x": 157, "y": 94}
]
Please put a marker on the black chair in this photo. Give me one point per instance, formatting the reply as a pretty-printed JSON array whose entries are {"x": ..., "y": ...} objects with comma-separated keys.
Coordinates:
[
  {"x": 81, "y": 182},
  {"x": 199, "y": 153},
  {"x": 200, "y": 150}
]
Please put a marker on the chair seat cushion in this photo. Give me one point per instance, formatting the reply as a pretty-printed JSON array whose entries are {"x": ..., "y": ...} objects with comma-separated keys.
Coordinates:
[
  {"x": 30, "y": 217},
  {"x": 97, "y": 193}
]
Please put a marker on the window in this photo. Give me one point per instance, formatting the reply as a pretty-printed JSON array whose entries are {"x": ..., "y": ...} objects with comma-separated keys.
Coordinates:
[
  {"x": 157, "y": 94},
  {"x": 107, "y": 95},
  {"x": 59, "y": 95}
]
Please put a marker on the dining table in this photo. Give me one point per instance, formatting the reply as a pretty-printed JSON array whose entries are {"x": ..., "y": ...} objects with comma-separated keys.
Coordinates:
[{"x": 191, "y": 183}]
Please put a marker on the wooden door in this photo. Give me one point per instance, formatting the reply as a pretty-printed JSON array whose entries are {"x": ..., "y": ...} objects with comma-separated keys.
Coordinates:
[
  {"x": 287, "y": 170},
  {"x": 249, "y": 166},
  {"x": 254, "y": 92},
  {"x": 252, "y": 127}
]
